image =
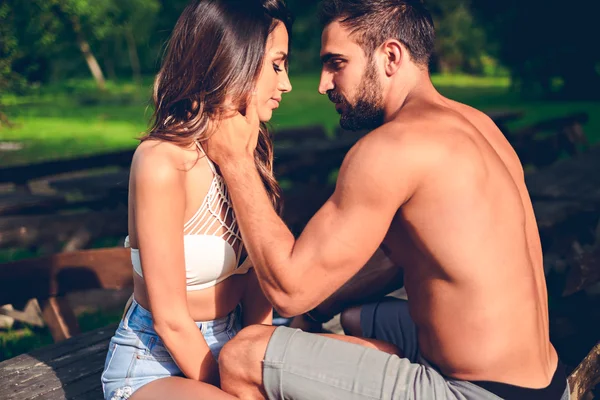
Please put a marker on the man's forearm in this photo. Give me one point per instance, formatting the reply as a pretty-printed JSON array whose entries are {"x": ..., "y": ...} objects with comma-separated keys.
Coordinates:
[
  {"x": 379, "y": 277},
  {"x": 266, "y": 237}
]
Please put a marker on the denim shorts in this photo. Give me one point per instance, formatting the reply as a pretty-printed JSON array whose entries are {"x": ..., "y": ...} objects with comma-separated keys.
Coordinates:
[{"x": 137, "y": 356}]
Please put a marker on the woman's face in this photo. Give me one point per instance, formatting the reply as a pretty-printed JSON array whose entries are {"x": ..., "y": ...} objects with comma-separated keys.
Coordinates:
[{"x": 273, "y": 80}]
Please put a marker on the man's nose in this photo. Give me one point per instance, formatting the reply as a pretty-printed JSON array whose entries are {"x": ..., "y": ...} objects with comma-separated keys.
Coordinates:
[{"x": 326, "y": 82}]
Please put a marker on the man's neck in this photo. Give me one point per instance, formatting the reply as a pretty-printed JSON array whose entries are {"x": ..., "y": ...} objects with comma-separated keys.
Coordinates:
[{"x": 418, "y": 85}]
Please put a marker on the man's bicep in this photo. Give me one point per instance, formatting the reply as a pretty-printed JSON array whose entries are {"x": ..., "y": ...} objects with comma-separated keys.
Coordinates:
[
  {"x": 376, "y": 178},
  {"x": 349, "y": 227}
]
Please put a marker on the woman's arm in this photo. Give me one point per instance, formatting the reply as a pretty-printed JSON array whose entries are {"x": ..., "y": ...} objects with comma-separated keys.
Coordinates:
[
  {"x": 159, "y": 203},
  {"x": 256, "y": 309}
]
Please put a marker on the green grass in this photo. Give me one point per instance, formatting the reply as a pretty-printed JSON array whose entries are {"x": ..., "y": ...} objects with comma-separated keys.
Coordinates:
[
  {"x": 18, "y": 341},
  {"x": 72, "y": 118}
]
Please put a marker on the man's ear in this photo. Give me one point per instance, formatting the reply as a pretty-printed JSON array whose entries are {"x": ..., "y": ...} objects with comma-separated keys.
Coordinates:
[{"x": 394, "y": 53}]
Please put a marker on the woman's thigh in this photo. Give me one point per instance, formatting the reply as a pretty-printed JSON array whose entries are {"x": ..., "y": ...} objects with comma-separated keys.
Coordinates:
[{"x": 180, "y": 389}]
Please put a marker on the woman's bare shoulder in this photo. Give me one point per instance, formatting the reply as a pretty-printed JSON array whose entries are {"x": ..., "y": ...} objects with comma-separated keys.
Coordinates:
[{"x": 158, "y": 161}]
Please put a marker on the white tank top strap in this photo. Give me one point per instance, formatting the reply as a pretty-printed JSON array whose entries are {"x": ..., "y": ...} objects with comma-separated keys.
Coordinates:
[{"x": 210, "y": 163}]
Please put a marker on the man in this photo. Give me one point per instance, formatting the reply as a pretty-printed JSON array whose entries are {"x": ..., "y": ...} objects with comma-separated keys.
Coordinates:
[{"x": 439, "y": 188}]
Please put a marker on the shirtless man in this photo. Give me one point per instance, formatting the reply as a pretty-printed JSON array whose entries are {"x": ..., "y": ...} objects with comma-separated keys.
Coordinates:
[{"x": 437, "y": 185}]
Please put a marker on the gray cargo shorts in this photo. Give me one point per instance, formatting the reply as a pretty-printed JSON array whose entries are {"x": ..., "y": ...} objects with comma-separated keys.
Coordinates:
[{"x": 305, "y": 366}]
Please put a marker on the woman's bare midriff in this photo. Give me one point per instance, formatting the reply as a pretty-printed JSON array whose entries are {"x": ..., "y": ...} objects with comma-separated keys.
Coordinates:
[{"x": 204, "y": 305}]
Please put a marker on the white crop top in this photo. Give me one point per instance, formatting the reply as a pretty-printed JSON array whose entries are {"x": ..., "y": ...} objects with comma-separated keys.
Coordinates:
[{"x": 212, "y": 242}]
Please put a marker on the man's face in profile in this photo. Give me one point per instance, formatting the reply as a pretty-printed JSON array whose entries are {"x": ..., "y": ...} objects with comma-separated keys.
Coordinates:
[{"x": 350, "y": 80}]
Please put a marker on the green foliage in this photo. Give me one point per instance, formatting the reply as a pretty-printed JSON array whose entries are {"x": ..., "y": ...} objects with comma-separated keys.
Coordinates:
[
  {"x": 461, "y": 43},
  {"x": 8, "y": 47},
  {"x": 46, "y": 46},
  {"x": 15, "y": 342},
  {"x": 460, "y": 47},
  {"x": 548, "y": 45}
]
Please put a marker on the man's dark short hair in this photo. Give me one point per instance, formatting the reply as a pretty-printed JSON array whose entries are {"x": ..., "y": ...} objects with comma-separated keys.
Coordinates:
[{"x": 372, "y": 22}]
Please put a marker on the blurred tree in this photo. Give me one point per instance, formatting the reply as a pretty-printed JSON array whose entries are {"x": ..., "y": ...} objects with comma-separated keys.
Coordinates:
[
  {"x": 460, "y": 46},
  {"x": 70, "y": 13},
  {"x": 8, "y": 49},
  {"x": 43, "y": 29},
  {"x": 460, "y": 42},
  {"x": 547, "y": 44},
  {"x": 28, "y": 32},
  {"x": 131, "y": 20},
  {"x": 131, "y": 35},
  {"x": 48, "y": 32}
]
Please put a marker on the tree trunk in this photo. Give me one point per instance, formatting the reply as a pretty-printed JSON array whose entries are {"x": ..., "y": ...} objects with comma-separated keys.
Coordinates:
[
  {"x": 133, "y": 55},
  {"x": 4, "y": 120},
  {"x": 72, "y": 21},
  {"x": 109, "y": 60}
]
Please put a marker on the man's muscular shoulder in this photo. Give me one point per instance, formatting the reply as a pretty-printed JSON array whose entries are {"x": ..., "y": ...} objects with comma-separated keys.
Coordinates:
[
  {"x": 414, "y": 143},
  {"x": 391, "y": 161}
]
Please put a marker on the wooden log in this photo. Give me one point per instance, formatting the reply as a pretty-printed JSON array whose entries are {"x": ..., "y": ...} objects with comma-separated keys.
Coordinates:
[
  {"x": 33, "y": 230},
  {"x": 585, "y": 269},
  {"x": 18, "y": 202},
  {"x": 67, "y": 370},
  {"x": 566, "y": 135},
  {"x": 566, "y": 188},
  {"x": 584, "y": 272},
  {"x": 554, "y": 124},
  {"x": 504, "y": 116},
  {"x": 93, "y": 184},
  {"x": 25, "y": 173},
  {"x": 587, "y": 374}
]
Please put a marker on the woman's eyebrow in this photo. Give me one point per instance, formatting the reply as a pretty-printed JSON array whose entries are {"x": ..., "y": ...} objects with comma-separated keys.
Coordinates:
[{"x": 283, "y": 55}]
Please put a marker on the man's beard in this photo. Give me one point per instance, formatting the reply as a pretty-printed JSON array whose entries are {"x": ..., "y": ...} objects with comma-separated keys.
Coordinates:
[{"x": 368, "y": 112}]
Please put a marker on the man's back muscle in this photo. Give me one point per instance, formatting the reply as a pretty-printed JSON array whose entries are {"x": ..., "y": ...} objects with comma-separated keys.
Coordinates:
[{"x": 469, "y": 244}]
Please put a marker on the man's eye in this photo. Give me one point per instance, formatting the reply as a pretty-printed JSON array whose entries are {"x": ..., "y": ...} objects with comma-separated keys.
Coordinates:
[{"x": 336, "y": 64}]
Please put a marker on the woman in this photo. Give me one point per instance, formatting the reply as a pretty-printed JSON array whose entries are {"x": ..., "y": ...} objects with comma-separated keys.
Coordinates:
[{"x": 193, "y": 284}]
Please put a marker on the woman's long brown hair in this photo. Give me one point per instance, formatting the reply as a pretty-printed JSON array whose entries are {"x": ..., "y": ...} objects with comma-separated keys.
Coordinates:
[{"x": 216, "y": 53}]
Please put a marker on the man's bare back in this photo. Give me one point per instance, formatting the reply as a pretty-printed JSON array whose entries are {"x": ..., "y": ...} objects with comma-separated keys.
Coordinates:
[{"x": 469, "y": 246}]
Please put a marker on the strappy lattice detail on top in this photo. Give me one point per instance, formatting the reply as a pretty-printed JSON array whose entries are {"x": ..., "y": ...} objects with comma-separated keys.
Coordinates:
[{"x": 215, "y": 217}]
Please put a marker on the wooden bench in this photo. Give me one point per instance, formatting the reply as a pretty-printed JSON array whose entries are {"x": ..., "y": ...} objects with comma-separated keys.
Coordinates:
[
  {"x": 62, "y": 232},
  {"x": 71, "y": 370},
  {"x": 67, "y": 370},
  {"x": 566, "y": 200},
  {"x": 542, "y": 143},
  {"x": 22, "y": 175},
  {"x": 27, "y": 203},
  {"x": 49, "y": 279}
]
